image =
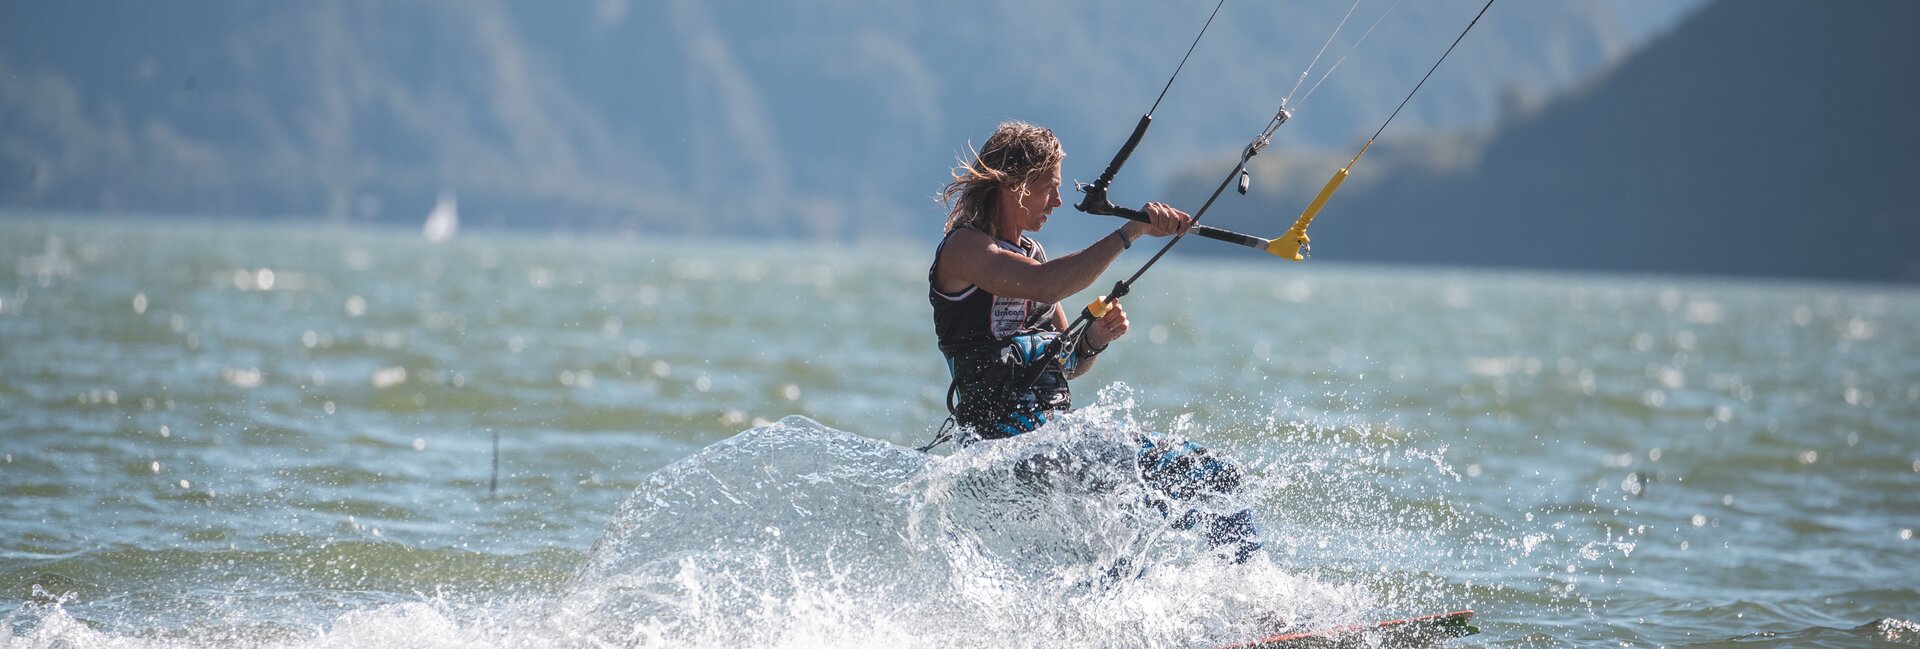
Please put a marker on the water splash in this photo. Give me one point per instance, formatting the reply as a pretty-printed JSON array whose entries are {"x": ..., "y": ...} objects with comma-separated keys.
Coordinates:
[{"x": 795, "y": 534}]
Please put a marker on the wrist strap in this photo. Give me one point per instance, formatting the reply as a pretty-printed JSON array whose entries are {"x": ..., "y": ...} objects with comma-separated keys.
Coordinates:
[{"x": 1125, "y": 242}]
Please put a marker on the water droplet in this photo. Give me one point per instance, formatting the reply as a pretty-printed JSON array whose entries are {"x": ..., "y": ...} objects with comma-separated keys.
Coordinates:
[
  {"x": 419, "y": 443},
  {"x": 155, "y": 466},
  {"x": 327, "y": 407},
  {"x": 186, "y": 485},
  {"x": 1671, "y": 378},
  {"x": 1642, "y": 342},
  {"x": 263, "y": 278},
  {"x": 791, "y": 392},
  {"x": 540, "y": 277},
  {"x": 1158, "y": 334},
  {"x": 1808, "y": 456},
  {"x": 662, "y": 369},
  {"x": 168, "y": 432},
  {"x": 309, "y": 339},
  {"x": 1906, "y": 534},
  {"x": 1473, "y": 470},
  {"x": 1684, "y": 544},
  {"x": 566, "y": 378},
  {"x": 1727, "y": 500},
  {"x": 140, "y": 303},
  {"x": 1631, "y": 484},
  {"x": 389, "y": 377},
  {"x": 248, "y": 377},
  {"x": 1653, "y": 455},
  {"x": 1698, "y": 520},
  {"x": 703, "y": 384},
  {"x": 356, "y": 306},
  {"x": 636, "y": 348},
  {"x": 1859, "y": 330}
]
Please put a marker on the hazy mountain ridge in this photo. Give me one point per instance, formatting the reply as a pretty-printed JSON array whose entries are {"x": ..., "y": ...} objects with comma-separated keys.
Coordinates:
[
  {"x": 821, "y": 118},
  {"x": 1759, "y": 137}
]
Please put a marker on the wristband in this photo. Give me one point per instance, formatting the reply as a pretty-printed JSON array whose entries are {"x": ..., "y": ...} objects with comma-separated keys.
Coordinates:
[{"x": 1085, "y": 349}]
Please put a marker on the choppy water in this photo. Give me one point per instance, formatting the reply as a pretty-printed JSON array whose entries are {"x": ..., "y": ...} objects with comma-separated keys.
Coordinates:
[{"x": 263, "y": 436}]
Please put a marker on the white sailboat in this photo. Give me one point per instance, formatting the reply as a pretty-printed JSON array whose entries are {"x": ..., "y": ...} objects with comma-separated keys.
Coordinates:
[{"x": 444, "y": 221}]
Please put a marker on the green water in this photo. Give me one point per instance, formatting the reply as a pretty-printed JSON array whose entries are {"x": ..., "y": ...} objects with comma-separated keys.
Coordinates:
[{"x": 236, "y": 434}]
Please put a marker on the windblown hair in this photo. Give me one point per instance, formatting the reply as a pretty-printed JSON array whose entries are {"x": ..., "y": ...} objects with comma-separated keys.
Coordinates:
[{"x": 1017, "y": 152}]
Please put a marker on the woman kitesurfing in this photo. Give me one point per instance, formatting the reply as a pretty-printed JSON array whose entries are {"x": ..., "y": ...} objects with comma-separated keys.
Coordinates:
[
  {"x": 996, "y": 314},
  {"x": 995, "y": 294}
]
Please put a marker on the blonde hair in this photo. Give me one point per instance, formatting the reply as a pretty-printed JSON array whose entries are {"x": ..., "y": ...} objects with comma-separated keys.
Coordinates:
[{"x": 1016, "y": 153}]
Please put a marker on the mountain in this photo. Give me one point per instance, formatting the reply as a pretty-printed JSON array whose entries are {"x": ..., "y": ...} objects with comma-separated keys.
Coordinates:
[
  {"x": 827, "y": 118},
  {"x": 1758, "y": 137}
]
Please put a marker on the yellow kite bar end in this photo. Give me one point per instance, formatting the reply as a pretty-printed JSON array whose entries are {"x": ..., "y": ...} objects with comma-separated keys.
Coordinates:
[
  {"x": 1294, "y": 243},
  {"x": 1099, "y": 307},
  {"x": 1289, "y": 246}
]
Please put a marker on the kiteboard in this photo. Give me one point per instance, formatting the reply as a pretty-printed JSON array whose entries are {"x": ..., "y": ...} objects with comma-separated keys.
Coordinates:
[{"x": 1423, "y": 631}]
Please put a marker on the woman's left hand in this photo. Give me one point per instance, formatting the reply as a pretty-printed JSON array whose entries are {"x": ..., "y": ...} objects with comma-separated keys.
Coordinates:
[
  {"x": 1166, "y": 220},
  {"x": 1110, "y": 326}
]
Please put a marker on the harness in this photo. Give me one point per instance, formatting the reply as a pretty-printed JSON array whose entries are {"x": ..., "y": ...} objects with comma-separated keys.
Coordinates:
[{"x": 987, "y": 398}]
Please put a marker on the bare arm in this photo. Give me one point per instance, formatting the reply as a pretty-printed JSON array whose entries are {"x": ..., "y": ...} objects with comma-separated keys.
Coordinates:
[{"x": 972, "y": 258}]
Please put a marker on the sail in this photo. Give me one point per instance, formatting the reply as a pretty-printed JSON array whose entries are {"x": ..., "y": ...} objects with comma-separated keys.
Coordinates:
[{"x": 444, "y": 221}]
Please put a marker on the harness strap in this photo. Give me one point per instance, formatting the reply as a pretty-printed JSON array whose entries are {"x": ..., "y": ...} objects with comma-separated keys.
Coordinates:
[{"x": 998, "y": 406}]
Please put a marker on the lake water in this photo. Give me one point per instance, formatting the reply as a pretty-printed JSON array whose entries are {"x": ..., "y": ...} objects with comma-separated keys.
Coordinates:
[{"x": 256, "y": 435}]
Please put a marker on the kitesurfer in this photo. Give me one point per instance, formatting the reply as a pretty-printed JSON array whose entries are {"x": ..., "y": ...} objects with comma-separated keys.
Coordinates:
[{"x": 996, "y": 295}]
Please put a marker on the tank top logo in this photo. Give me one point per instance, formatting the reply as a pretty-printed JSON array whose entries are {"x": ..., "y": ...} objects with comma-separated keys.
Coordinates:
[{"x": 1009, "y": 316}]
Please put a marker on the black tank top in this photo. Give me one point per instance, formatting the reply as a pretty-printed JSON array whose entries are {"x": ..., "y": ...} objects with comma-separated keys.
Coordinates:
[
  {"x": 974, "y": 317},
  {"x": 990, "y": 342}
]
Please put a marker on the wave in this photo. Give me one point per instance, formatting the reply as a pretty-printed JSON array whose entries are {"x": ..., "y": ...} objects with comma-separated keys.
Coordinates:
[{"x": 796, "y": 534}]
